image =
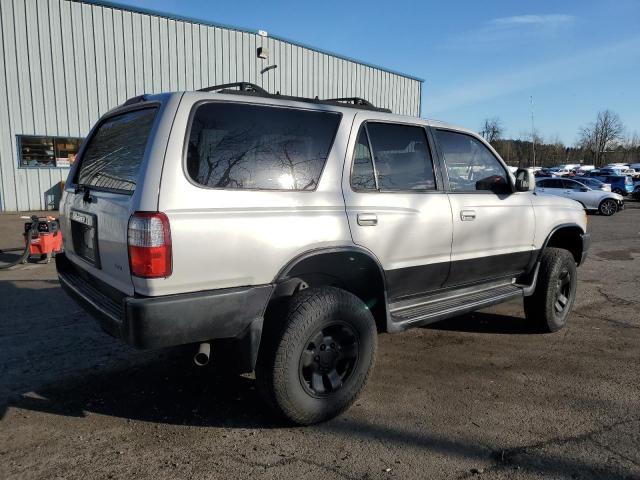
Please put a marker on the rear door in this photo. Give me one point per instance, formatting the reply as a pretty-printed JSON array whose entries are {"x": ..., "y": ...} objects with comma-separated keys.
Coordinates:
[
  {"x": 396, "y": 206},
  {"x": 103, "y": 191},
  {"x": 493, "y": 227}
]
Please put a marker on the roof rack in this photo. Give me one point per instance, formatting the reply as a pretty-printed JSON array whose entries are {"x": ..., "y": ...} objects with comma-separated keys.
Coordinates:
[
  {"x": 242, "y": 86},
  {"x": 246, "y": 88}
]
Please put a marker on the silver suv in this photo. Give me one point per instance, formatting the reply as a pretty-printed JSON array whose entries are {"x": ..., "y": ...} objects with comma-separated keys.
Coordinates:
[{"x": 280, "y": 234}]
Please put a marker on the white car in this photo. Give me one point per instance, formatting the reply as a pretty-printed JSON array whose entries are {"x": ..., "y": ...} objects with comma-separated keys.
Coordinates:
[{"x": 607, "y": 203}]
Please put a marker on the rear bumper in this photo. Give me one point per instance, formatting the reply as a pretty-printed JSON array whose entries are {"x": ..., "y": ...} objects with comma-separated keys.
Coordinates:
[
  {"x": 586, "y": 243},
  {"x": 150, "y": 322}
]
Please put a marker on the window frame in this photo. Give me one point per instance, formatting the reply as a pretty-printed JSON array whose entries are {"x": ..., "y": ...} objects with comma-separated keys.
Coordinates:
[
  {"x": 434, "y": 159},
  {"x": 445, "y": 171},
  {"x": 117, "y": 112},
  {"x": 19, "y": 137},
  {"x": 185, "y": 146}
]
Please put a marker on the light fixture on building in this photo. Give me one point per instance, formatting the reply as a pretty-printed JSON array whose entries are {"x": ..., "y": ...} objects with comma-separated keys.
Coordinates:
[{"x": 263, "y": 52}]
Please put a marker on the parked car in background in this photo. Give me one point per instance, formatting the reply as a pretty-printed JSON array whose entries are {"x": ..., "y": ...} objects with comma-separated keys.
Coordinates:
[
  {"x": 583, "y": 169},
  {"x": 611, "y": 171},
  {"x": 593, "y": 183},
  {"x": 607, "y": 203},
  {"x": 564, "y": 172},
  {"x": 620, "y": 184},
  {"x": 630, "y": 172},
  {"x": 636, "y": 193}
]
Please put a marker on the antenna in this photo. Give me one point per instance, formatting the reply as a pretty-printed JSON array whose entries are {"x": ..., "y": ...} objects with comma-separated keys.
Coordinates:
[{"x": 533, "y": 133}]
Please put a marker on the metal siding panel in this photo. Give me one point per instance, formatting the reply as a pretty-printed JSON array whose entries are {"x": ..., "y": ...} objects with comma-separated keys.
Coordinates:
[
  {"x": 203, "y": 43},
  {"x": 232, "y": 56},
  {"x": 46, "y": 59},
  {"x": 121, "y": 66},
  {"x": 170, "y": 69},
  {"x": 110, "y": 57},
  {"x": 188, "y": 56},
  {"x": 251, "y": 59},
  {"x": 8, "y": 162},
  {"x": 138, "y": 53},
  {"x": 148, "y": 53},
  {"x": 165, "y": 67},
  {"x": 24, "y": 124},
  {"x": 93, "y": 92},
  {"x": 225, "y": 55},
  {"x": 211, "y": 55},
  {"x": 57, "y": 59},
  {"x": 34, "y": 66},
  {"x": 79, "y": 67},
  {"x": 156, "y": 70},
  {"x": 129, "y": 62},
  {"x": 219, "y": 57},
  {"x": 100, "y": 61}
]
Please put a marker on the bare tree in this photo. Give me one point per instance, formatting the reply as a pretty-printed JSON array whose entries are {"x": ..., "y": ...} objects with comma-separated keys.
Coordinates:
[
  {"x": 492, "y": 129},
  {"x": 602, "y": 135}
]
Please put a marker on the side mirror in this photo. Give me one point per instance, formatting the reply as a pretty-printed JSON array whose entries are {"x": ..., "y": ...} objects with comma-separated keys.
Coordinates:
[
  {"x": 584, "y": 189},
  {"x": 525, "y": 180}
]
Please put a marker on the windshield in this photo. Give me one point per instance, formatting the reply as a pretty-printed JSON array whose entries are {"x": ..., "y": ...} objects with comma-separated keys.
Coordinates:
[{"x": 114, "y": 154}]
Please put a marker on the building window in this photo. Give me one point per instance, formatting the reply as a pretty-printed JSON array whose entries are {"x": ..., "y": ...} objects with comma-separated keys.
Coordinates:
[{"x": 47, "y": 152}]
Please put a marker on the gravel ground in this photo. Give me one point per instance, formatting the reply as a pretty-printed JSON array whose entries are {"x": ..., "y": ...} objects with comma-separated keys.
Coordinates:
[{"x": 478, "y": 396}]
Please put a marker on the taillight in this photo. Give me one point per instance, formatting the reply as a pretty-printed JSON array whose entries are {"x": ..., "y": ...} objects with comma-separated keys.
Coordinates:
[{"x": 149, "y": 242}]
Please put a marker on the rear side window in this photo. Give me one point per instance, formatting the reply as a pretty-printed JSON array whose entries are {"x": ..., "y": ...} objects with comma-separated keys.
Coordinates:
[
  {"x": 470, "y": 164},
  {"x": 115, "y": 152},
  {"x": 240, "y": 146},
  {"x": 401, "y": 157}
]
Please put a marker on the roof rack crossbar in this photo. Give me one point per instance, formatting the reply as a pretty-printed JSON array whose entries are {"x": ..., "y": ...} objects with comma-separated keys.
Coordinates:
[
  {"x": 242, "y": 86},
  {"x": 354, "y": 100}
]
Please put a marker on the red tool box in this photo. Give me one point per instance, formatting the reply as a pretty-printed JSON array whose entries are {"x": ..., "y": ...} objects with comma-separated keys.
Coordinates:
[{"x": 46, "y": 240}]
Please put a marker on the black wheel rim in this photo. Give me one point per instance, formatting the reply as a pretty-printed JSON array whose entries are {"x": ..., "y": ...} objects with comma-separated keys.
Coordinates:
[
  {"x": 563, "y": 291},
  {"x": 329, "y": 359},
  {"x": 608, "y": 207}
]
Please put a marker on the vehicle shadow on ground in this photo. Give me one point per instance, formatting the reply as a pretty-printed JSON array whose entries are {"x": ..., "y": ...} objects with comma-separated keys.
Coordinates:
[{"x": 486, "y": 322}]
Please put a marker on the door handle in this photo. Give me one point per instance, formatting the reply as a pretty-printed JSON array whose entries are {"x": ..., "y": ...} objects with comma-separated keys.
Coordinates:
[
  {"x": 367, "y": 219},
  {"x": 467, "y": 215}
]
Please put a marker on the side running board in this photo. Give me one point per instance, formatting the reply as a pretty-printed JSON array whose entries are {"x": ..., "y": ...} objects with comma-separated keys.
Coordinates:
[{"x": 425, "y": 310}]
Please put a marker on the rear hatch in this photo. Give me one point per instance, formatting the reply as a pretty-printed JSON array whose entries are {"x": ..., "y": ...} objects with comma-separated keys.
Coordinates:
[{"x": 103, "y": 190}]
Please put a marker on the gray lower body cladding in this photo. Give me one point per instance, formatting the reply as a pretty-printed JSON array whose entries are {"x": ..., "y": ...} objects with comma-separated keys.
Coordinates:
[{"x": 150, "y": 322}]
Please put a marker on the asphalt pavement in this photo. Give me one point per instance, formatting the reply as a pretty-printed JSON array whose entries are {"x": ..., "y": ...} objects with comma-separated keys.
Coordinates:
[{"x": 478, "y": 396}]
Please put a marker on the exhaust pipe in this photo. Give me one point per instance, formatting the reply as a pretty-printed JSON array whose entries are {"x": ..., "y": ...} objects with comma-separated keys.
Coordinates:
[{"x": 201, "y": 358}]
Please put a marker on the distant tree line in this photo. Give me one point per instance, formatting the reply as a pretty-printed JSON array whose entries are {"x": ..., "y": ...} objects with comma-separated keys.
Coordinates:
[{"x": 599, "y": 143}]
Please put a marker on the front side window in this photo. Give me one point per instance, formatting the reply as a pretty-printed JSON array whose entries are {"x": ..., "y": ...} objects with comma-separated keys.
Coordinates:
[
  {"x": 571, "y": 185},
  {"x": 470, "y": 164},
  {"x": 42, "y": 151},
  {"x": 114, "y": 154},
  {"x": 401, "y": 157},
  {"x": 243, "y": 146}
]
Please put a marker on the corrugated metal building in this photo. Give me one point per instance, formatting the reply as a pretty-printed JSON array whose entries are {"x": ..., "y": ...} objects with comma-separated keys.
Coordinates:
[{"x": 64, "y": 63}]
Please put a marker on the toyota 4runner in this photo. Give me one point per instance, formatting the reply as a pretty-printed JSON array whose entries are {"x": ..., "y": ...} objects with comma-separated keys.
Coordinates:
[{"x": 282, "y": 233}]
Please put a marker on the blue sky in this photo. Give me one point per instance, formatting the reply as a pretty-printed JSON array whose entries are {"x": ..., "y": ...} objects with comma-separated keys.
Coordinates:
[{"x": 478, "y": 59}]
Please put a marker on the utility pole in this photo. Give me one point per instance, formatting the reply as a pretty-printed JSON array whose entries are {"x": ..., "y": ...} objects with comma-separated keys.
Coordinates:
[{"x": 533, "y": 133}]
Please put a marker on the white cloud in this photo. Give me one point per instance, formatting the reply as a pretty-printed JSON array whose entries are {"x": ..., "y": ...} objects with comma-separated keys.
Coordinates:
[
  {"x": 509, "y": 30},
  {"x": 554, "y": 20}
]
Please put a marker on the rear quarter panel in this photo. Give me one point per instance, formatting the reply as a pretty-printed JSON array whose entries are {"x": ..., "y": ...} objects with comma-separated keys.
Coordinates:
[{"x": 227, "y": 238}]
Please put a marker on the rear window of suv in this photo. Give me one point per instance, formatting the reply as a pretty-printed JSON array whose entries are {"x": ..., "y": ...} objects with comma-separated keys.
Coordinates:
[
  {"x": 255, "y": 147},
  {"x": 115, "y": 151}
]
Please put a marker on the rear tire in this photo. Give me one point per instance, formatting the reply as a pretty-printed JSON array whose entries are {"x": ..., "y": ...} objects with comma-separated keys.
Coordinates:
[
  {"x": 317, "y": 356},
  {"x": 608, "y": 207},
  {"x": 551, "y": 303}
]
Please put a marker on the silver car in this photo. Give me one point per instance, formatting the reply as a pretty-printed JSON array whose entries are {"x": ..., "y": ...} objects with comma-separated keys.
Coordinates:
[
  {"x": 606, "y": 203},
  {"x": 286, "y": 232}
]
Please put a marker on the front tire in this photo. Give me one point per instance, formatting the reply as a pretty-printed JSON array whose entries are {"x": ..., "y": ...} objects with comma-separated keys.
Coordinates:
[
  {"x": 608, "y": 207},
  {"x": 316, "y": 358},
  {"x": 551, "y": 303}
]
